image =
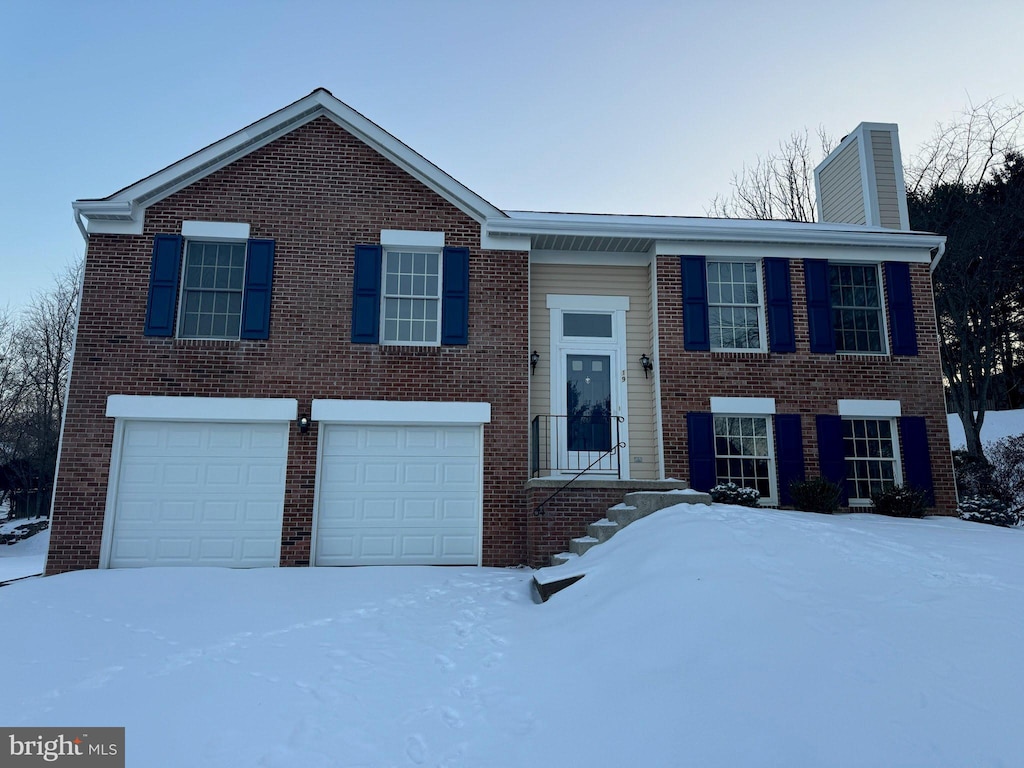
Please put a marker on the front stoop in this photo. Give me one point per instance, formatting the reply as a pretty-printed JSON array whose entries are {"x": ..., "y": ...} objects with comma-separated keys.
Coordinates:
[{"x": 638, "y": 504}]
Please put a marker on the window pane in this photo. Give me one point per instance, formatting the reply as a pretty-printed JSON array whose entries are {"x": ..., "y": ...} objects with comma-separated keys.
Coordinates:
[
  {"x": 592, "y": 325},
  {"x": 733, "y": 305}
]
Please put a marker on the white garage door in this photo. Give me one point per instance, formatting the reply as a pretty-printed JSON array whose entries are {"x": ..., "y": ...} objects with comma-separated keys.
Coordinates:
[
  {"x": 399, "y": 495},
  {"x": 199, "y": 493}
]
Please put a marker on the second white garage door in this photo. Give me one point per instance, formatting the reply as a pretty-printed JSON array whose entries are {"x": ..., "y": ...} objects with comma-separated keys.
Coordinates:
[{"x": 399, "y": 495}]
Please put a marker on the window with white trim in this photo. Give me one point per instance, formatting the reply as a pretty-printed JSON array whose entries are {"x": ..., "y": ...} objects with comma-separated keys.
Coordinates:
[
  {"x": 856, "y": 296},
  {"x": 744, "y": 454},
  {"x": 735, "y": 307},
  {"x": 411, "y": 297},
  {"x": 872, "y": 457},
  {"x": 211, "y": 290}
]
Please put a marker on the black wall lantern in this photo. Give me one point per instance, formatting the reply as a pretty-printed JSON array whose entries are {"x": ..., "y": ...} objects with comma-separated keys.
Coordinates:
[
  {"x": 303, "y": 422},
  {"x": 534, "y": 359},
  {"x": 648, "y": 366}
]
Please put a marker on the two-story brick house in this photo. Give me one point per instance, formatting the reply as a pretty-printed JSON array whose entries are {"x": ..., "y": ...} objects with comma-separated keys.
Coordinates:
[{"x": 306, "y": 344}]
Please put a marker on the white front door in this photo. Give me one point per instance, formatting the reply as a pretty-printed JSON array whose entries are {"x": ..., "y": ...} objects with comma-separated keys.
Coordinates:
[{"x": 588, "y": 385}]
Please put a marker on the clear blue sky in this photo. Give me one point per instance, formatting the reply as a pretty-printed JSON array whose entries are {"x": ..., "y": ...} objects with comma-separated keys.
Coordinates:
[{"x": 640, "y": 107}]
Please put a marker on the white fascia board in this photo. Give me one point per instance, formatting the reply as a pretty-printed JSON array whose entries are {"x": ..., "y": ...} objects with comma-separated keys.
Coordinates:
[
  {"x": 400, "y": 412},
  {"x": 679, "y": 231},
  {"x": 215, "y": 230},
  {"x": 408, "y": 238},
  {"x": 872, "y": 254},
  {"x": 212, "y": 158},
  {"x": 503, "y": 243},
  {"x": 160, "y": 408},
  {"x": 591, "y": 258},
  {"x": 876, "y": 408},
  {"x": 588, "y": 303},
  {"x": 758, "y": 405}
]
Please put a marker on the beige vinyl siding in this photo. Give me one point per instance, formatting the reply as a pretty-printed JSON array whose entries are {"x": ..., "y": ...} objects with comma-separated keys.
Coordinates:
[
  {"x": 885, "y": 180},
  {"x": 633, "y": 282},
  {"x": 842, "y": 190}
]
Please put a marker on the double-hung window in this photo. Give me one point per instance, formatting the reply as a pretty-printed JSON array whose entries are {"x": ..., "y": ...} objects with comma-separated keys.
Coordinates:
[
  {"x": 871, "y": 449},
  {"x": 856, "y": 296},
  {"x": 211, "y": 290},
  {"x": 743, "y": 453},
  {"x": 411, "y": 297},
  {"x": 735, "y": 308}
]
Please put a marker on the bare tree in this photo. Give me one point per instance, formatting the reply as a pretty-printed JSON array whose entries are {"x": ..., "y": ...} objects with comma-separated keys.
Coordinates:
[
  {"x": 35, "y": 359},
  {"x": 779, "y": 185}
]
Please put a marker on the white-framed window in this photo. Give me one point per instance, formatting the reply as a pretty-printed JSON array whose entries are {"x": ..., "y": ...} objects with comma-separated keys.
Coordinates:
[
  {"x": 871, "y": 448},
  {"x": 744, "y": 452},
  {"x": 411, "y": 296},
  {"x": 858, "y": 319},
  {"x": 735, "y": 305},
  {"x": 212, "y": 280}
]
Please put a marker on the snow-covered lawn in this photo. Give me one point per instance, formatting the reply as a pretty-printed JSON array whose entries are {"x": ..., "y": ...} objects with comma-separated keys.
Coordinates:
[
  {"x": 24, "y": 558},
  {"x": 998, "y": 424},
  {"x": 703, "y": 636}
]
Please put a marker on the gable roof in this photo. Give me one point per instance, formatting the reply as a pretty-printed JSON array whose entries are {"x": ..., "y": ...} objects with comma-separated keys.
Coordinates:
[{"x": 124, "y": 211}]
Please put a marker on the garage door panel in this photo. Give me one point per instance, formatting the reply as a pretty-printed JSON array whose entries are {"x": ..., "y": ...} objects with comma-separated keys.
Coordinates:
[
  {"x": 398, "y": 495},
  {"x": 199, "y": 494}
]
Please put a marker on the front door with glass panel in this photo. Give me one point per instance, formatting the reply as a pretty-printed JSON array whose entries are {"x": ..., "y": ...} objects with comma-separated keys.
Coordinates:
[{"x": 588, "y": 391}]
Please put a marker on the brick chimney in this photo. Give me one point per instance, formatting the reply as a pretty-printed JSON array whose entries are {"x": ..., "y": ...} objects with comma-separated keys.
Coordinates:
[{"x": 861, "y": 181}]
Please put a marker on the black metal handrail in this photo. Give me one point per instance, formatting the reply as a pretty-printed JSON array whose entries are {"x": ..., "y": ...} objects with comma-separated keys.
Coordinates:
[
  {"x": 552, "y": 436},
  {"x": 609, "y": 456}
]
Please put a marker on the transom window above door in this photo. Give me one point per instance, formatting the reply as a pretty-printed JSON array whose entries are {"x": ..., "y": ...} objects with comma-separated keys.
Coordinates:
[{"x": 587, "y": 325}]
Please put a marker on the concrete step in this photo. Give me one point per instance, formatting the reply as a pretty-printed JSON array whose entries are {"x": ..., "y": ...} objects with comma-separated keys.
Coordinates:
[
  {"x": 603, "y": 530},
  {"x": 582, "y": 544},
  {"x": 647, "y": 502},
  {"x": 623, "y": 514},
  {"x": 563, "y": 557}
]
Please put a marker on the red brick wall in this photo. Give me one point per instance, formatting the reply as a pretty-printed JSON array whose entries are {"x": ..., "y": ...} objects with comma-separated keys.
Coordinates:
[
  {"x": 317, "y": 192},
  {"x": 801, "y": 382},
  {"x": 565, "y": 517}
]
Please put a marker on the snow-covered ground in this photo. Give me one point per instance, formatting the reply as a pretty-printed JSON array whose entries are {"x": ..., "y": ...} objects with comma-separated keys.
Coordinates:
[
  {"x": 704, "y": 636},
  {"x": 25, "y": 558},
  {"x": 997, "y": 425}
]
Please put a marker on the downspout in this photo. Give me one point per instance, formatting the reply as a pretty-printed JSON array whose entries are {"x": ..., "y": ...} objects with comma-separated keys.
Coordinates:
[{"x": 938, "y": 256}]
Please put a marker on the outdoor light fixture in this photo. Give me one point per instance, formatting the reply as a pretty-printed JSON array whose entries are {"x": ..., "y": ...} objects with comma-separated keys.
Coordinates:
[
  {"x": 303, "y": 423},
  {"x": 645, "y": 361},
  {"x": 534, "y": 359}
]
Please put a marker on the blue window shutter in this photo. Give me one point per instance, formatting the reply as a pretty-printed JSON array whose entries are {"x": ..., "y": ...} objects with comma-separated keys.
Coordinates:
[
  {"x": 917, "y": 462},
  {"x": 819, "y": 306},
  {"x": 455, "y": 296},
  {"x": 779, "y": 301},
  {"x": 701, "y": 430},
  {"x": 789, "y": 452},
  {"x": 366, "y": 294},
  {"x": 831, "y": 457},
  {"x": 696, "y": 336},
  {"x": 259, "y": 276},
  {"x": 901, "y": 308},
  {"x": 162, "y": 301}
]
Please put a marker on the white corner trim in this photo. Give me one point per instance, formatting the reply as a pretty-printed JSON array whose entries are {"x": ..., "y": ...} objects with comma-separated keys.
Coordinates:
[
  {"x": 400, "y": 412},
  {"x": 162, "y": 408},
  {"x": 765, "y": 405},
  {"x": 406, "y": 238},
  {"x": 592, "y": 303},
  {"x": 215, "y": 230},
  {"x": 879, "y": 408}
]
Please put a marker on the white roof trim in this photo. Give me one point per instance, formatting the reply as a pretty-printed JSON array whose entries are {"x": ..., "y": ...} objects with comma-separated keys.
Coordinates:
[
  {"x": 682, "y": 229},
  {"x": 400, "y": 412},
  {"x": 160, "y": 408},
  {"x": 128, "y": 205}
]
